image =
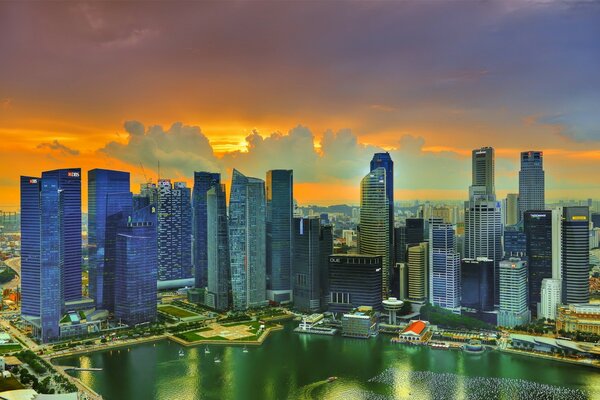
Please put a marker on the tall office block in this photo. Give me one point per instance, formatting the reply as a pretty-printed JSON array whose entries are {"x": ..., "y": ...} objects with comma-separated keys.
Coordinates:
[
  {"x": 483, "y": 233},
  {"x": 444, "y": 267},
  {"x": 136, "y": 273},
  {"x": 305, "y": 265},
  {"x": 538, "y": 231},
  {"x": 218, "y": 279},
  {"x": 415, "y": 231},
  {"x": 531, "y": 182},
  {"x": 174, "y": 231},
  {"x": 575, "y": 255},
  {"x": 418, "y": 272},
  {"x": 247, "y": 241},
  {"x": 374, "y": 221},
  {"x": 511, "y": 209},
  {"x": 514, "y": 308},
  {"x": 354, "y": 280},
  {"x": 483, "y": 169},
  {"x": 477, "y": 284},
  {"x": 203, "y": 182},
  {"x": 515, "y": 241},
  {"x": 325, "y": 249},
  {"x": 550, "y": 299},
  {"x": 103, "y": 185},
  {"x": 280, "y": 209},
  {"x": 384, "y": 160},
  {"x": 51, "y": 248}
]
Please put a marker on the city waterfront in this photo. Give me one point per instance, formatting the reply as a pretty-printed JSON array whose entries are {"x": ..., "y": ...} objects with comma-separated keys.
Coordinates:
[{"x": 292, "y": 366}]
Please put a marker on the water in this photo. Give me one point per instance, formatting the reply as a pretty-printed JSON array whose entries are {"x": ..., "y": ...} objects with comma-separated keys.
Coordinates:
[{"x": 292, "y": 366}]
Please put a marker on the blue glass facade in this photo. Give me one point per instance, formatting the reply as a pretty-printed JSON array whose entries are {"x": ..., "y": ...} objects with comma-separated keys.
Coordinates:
[
  {"x": 280, "y": 209},
  {"x": 203, "y": 182},
  {"x": 444, "y": 267},
  {"x": 51, "y": 249},
  {"x": 477, "y": 284},
  {"x": 103, "y": 206},
  {"x": 515, "y": 241},
  {"x": 136, "y": 273},
  {"x": 538, "y": 232},
  {"x": 384, "y": 160},
  {"x": 219, "y": 281}
]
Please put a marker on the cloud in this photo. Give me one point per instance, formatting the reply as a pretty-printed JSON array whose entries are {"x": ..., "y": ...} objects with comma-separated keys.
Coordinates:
[
  {"x": 5, "y": 103},
  {"x": 131, "y": 39},
  {"x": 581, "y": 125},
  {"x": 181, "y": 149},
  {"x": 57, "y": 146}
]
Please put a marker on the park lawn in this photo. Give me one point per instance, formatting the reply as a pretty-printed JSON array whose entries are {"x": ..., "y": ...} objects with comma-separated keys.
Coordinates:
[
  {"x": 8, "y": 348},
  {"x": 192, "y": 337},
  {"x": 177, "y": 312}
]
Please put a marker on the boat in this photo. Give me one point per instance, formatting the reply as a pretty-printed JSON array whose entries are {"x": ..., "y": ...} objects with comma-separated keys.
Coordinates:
[
  {"x": 206, "y": 350},
  {"x": 181, "y": 353},
  {"x": 245, "y": 349},
  {"x": 217, "y": 360},
  {"x": 331, "y": 379}
]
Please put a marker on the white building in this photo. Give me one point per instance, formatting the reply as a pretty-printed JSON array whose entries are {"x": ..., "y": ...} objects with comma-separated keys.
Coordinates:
[
  {"x": 551, "y": 295},
  {"x": 514, "y": 308}
]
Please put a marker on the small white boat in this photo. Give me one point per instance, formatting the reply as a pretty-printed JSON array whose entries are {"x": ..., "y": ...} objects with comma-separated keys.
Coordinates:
[
  {"x": 217, "y": 360},
  {"x": 181, "y": 353},
  {"x": 245, "y": 349},
  {"x": 206, "y": 350}
]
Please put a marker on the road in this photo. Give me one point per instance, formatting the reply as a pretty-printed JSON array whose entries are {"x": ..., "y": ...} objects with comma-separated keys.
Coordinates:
[{"x": 15, "y": 265}]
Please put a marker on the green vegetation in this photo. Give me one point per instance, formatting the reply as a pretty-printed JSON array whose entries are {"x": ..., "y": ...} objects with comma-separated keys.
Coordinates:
[
  {"x": 235, "y": 317},
  {"x": 439, "y": 316},
  {"x": 177, "y": 312},
  {"x": 406, "y": 308},
  {"x": 539, "y": 326},
  {"x": 38, "y": 365},
  {"x": 9, "y": 348},
  {"x": 7, "y": 275},
  {"x": 189, "y": 337},
  {"x": 581, "y": 336}
]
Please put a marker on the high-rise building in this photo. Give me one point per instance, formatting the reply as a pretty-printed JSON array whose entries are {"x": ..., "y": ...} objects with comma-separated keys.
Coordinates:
[
  {"x": 136, "y": 273},
  {"x": 325, "y": 250},
  {"x": 103, "y": 185},
  {"x": 203, "y": 182},
  {"x": 515, "y": 241},
  {"x": 575, "y": 255},
  {"x": 415, "y": 231},
  {"x": 354, "y": 281},
  {"x": 538, "y": 232},
  {"x": 444, "y": 267},
  {"x": 514, "y": 308},
  {"x": 305, "y": 265},
  {"x": 418, "y": 272},
  {"x": 50, "y": 248},
  {"x": 483, "y": 233},
  {"x": 483, "y": 170},
  {"x": 531, "y": 182},
  {"x": 280, "y": 209},
  {"x": 550, "y": 299},
  {"x": 384, "y": 160},
  {"x": 374, "y": 221},
  {"x": 174, "y": 231},
  {"x": 219, "y": 267},
  {"x": 247, "y": 241},
  {"x": 511, "y": 209},
  {"x": 477, "y": 284}
]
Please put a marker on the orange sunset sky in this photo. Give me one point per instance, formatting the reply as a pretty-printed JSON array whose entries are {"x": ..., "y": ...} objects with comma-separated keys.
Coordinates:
[{"x": 312, "y": 86}]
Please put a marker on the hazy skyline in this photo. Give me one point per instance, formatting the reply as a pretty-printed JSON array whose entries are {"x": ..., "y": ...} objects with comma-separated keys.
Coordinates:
[{"x": 312, "y": 86}]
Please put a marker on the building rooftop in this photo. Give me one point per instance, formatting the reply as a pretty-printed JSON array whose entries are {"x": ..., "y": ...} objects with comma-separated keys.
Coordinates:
[{"x": 416, "y": 327}]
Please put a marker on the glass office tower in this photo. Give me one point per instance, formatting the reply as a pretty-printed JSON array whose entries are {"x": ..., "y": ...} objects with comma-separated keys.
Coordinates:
[
  {"x": 538, "y": 232},
  {"x": 531, "y": 182},
  {"x": 218, "y": 279},
  {"x": 575, "y": 255}
]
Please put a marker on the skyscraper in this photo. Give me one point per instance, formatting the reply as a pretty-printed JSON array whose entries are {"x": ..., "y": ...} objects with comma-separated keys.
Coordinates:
[
  {"x": 483, "y": 216},
  {"x": 418, "y": 272},
  {"x": 136, "y": 273},
  {"x": 551, "y": 295},
  {"x": 219, "y": 267},
  {"x": 538, "y": 233},
  {"x": 483, "y": 169},
  {"x": 511, "y": 209},
  {"x": 355, "y": 280},
  {"x": 325, "y": 250},
  {"x": 515, "y": 241},
  {"x": 174, "y": 231},
  {"x": 444, "y": 267},
  {"x": 374, "y": 221},
  {"x": 305, "y": 265},
  {"x": 513, "y": 293},
  {"x": 575, "y": 255},
  {"x": 51, "y": 248},
  {"x": 247, "y": 241},
  {"x": 384, "y": 160},
  {"x": 280, "y": 209},
  {"x": 103, "y": 183},
  {"x": 477, "y": 284},
  {"x": 531, "y": 182},
  {"x": 203, "y": 182}
]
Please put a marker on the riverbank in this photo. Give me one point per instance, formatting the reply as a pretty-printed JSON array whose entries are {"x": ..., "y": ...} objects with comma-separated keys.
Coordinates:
[{"x": 550, "y": 357}]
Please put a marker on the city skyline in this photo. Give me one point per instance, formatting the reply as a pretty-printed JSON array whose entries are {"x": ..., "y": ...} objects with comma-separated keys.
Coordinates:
[{"x": 215, "y": 102}]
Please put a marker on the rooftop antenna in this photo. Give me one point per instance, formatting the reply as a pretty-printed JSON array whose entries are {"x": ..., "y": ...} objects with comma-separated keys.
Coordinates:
[
  {"x": 144, "y": 172},
  {"x": 158, "y": 161}
]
